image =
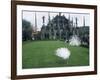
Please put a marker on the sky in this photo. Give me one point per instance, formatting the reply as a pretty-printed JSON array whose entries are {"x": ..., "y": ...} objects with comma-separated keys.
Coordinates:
[{"x": 30, "y": 16}]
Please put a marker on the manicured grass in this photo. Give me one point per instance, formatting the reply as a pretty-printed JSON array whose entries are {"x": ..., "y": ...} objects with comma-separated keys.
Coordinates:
[{"x": 39, "y": 54}]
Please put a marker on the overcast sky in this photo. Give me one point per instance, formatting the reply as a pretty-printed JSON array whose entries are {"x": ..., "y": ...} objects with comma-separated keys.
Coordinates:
[{"x": 30, "y": 16}]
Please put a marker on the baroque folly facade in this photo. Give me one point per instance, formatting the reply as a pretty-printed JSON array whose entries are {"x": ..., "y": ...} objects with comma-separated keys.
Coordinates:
[{"x": 61, "y": 28}]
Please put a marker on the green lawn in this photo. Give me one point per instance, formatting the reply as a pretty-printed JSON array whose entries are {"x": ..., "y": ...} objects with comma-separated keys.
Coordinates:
[{"x": 39, "y": 54}]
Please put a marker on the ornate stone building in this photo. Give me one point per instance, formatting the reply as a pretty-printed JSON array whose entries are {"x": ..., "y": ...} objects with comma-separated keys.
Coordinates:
[
  {"x": 58, "y": 28},
  {"x": 61, "y": 28}
]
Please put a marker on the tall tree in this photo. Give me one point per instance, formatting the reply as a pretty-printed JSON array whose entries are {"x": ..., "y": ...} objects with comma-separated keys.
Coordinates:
[{"x": 26, "y": 30}]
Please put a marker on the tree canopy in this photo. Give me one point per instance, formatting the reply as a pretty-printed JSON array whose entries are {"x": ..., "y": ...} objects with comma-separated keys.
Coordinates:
[{"x": 26, "y": 30}]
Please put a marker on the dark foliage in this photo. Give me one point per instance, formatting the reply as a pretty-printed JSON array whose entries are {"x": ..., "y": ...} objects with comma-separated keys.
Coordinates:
[{"x": 26, "y": 30}]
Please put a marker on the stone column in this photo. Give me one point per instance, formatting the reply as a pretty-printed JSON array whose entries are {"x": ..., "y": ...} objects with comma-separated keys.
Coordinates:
[{"x": 35, "y": 22}]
